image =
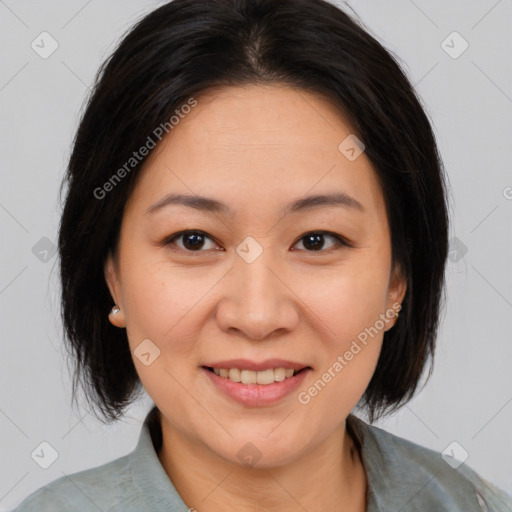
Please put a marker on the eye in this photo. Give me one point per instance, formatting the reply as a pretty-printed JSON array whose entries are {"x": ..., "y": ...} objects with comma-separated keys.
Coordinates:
[
  {"x": 314, "y": 241},
  {"x": 193, "y": 240}
]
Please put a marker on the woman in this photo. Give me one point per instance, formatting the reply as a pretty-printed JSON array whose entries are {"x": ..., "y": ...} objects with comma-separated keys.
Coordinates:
[{"x": 255, "y": 233}]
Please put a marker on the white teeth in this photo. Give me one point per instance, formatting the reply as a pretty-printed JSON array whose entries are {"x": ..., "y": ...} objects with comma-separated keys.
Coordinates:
[
  {"x": 248, "y": 376},
  {"x": 280, "y": 374},
  {"x": 234, "y": 375},
  {"x": 263, "y": 377}
]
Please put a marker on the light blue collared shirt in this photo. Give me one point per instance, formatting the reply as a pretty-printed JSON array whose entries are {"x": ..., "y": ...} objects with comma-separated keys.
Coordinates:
[{"x": 401, "y": 476}]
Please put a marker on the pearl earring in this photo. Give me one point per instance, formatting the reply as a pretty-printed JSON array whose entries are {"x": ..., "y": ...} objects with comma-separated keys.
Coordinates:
[{"x": 115, "y": 309}]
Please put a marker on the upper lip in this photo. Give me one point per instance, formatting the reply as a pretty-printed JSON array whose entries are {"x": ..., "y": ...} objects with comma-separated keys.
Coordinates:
[{"x": 246, "y": 364}]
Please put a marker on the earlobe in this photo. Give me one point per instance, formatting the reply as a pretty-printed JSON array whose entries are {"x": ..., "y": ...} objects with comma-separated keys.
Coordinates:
[
  {"x": 116, "y": 314},
  {"x": 116, "y": 317}
]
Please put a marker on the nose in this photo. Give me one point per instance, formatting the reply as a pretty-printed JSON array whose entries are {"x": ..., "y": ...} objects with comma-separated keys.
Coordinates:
[{"x": 256, "y": 300}]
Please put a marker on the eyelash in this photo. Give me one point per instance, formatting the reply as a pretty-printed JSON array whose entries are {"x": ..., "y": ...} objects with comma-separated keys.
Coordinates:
[{"x": 340, "y": 241}]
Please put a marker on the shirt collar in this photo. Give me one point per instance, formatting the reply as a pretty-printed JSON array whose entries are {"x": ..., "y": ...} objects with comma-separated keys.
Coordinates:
[
  {"x": 374, "y": 463},
  {"x": 154, "y": 483},
  {"x": 147, "y": 471},
  {"x": 402, "y": 475}
]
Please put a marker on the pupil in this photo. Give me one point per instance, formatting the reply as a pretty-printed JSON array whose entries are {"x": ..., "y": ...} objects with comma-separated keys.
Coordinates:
[
  {"x": 193, "y": 240},
  {"x": 314, "y": 241}
]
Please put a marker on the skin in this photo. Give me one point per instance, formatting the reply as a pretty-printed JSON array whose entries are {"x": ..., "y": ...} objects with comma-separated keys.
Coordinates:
[{"x": 256, "y": 148}]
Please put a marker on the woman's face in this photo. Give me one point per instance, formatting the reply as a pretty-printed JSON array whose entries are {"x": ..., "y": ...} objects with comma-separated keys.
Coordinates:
[{"x": 256, "y": 283}]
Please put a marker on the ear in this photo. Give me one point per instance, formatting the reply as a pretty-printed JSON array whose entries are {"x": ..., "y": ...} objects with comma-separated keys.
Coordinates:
[
  {"x": 396, "y": 292},
  {"x": 114, "y": 285}
]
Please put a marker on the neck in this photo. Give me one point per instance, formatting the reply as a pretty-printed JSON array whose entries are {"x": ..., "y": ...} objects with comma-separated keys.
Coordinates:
[{"x": 209, "y": 483}]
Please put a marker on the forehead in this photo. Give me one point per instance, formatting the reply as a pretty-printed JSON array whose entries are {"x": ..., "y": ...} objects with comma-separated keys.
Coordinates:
[{"x": 259, "y": 147}]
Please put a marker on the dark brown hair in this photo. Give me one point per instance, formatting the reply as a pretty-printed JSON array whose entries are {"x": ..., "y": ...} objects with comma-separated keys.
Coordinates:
[{"x": 186, "y": 47}]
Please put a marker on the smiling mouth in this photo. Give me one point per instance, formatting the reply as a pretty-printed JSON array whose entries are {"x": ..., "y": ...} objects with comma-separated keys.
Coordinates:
[{"x": 264, "y": 377}]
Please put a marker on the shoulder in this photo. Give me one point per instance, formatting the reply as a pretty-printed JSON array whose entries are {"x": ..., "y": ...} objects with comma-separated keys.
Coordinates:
[
  {"x": 136, "y": 482},
  {"x": 404, "y": 474},
  {"x": 99, "y": 488}
]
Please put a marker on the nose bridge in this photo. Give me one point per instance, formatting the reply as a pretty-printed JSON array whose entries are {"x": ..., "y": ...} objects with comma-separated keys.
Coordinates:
[
  {"x": 256, "y": 301},
  {"x": 259, "y": 288}
]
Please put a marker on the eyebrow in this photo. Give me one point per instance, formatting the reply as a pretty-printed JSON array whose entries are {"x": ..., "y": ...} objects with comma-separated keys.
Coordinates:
[{"x": 210, "y": 205}]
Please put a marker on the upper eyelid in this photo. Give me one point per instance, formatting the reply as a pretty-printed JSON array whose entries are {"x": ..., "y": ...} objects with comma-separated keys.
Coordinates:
[
  {"x": 180, "y": 234},
  {"x": 340, "y": 240}
]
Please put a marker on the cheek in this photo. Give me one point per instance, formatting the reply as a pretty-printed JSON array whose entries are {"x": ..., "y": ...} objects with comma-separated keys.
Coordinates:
[
  {"x": 346, "y": 300},
  {"x": 163, "y": 301},
  {"x": 161, "y": 307},
  {"x": 348, "y": 324},
  {"x": 347, "y": 307}
]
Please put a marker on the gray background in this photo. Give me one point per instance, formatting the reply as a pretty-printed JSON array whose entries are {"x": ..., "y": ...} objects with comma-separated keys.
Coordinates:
[{"x": 469, "y": 99}]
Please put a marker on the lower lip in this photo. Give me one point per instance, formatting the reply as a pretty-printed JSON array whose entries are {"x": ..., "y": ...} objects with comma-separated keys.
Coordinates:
[{"x": 257, "y": 394}]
